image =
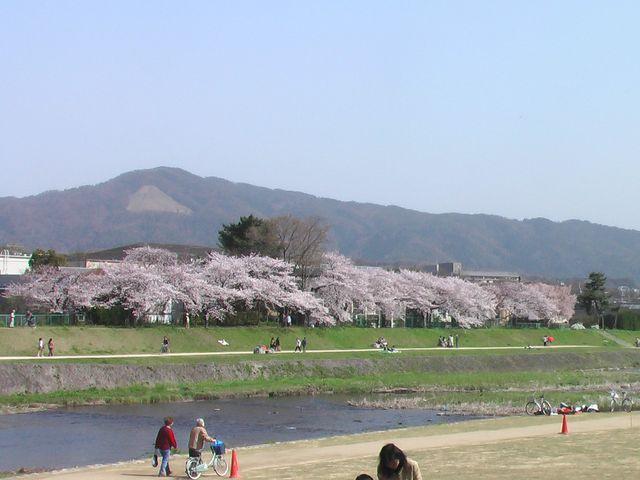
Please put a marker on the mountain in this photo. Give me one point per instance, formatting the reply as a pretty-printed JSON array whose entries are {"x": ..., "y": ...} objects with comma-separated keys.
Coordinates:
[{"x": 172, "y": 206}]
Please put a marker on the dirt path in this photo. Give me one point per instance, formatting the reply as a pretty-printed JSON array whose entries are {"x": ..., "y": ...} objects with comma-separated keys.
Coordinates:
[
  {"x": 255, "y": 462},
  {"x": 208, "y": 354},
  {"x": 614, "y": 339}
]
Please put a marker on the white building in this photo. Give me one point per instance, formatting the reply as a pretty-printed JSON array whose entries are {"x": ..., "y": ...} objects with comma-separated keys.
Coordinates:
[{"x": 13, "y": 263}]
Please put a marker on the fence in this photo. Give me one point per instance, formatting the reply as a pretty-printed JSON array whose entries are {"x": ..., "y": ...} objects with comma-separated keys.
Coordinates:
[{"x": 42, "y": 319}]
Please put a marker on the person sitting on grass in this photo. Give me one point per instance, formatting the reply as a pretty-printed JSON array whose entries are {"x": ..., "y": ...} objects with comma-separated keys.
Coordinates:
[{"x": 394, "y": 465}]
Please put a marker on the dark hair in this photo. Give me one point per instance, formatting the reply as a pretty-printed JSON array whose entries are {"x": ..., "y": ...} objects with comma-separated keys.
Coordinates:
[
  {"x": 388, "y": 453},
  {"x": 364, "y": 476},
  {"x": 168, "y": 421}
]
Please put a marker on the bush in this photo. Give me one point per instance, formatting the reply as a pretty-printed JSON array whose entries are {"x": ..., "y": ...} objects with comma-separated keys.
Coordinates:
[{"x": 629, "y": 319}]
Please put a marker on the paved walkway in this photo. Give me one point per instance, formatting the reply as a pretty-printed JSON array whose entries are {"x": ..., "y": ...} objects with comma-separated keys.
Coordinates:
[{"x": 244, "y": 352}]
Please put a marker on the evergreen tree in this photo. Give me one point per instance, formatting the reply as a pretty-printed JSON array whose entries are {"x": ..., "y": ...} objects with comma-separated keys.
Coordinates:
[
  {"x": 250, "y": 235},
  {"x": 40, "y": 258},
  {"x": 594, "y": 297}
]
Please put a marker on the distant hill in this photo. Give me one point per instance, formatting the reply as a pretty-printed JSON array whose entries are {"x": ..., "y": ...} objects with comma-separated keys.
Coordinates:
[{"x": 172, "y": 206}]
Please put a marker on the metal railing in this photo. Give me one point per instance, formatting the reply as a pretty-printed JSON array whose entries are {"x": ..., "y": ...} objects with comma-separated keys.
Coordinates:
[{"x": 41, "y": 319}]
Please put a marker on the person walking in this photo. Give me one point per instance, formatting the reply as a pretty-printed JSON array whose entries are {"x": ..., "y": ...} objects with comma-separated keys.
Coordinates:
[
  {"x": 165, "y": 345},
  {"x": 304, "y": 344},
  {"x": 12, "y": 318},
  {"x": 394, "y": 465},
  {"x": 197, "y": 437},
  {"x": 165, "y": 441},
  {"x": 40, "y": 347},
  {"x": 457, "y": 338},
  {"x": 30, "y": 321},
  {"x": 187, "y": 320},
  {"x": 298, "y": 345},
  {"x": 51, "y": 346}
]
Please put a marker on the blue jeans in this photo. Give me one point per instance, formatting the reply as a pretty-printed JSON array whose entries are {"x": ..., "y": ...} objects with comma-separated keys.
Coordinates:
[{"x": 164, "y": 466}]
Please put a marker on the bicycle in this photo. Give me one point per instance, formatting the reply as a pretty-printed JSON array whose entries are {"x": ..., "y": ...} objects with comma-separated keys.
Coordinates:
[
  {"x": 195, "y": 466},
  {"x": 535, "y": 407},
  {"x": 626, "y": 403}
]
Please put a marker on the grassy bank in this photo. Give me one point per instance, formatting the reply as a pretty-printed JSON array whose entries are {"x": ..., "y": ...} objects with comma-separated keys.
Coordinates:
[
  {"x": 101, "y": 340},
  {"x": 479, "y": 390},
  {"x": 474, "y": 380}
]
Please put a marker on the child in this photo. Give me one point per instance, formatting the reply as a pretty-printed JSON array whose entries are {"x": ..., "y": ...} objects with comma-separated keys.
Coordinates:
[{"x": 40, "y": 347}]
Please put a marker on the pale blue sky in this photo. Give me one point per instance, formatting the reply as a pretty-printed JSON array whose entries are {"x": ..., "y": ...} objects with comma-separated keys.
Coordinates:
[{"x": 522, "y": 109}]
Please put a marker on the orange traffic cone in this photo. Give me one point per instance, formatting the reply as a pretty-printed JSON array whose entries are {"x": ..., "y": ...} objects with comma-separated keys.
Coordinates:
[
  {"x": 235, "y": 466},
  {"x": 565, "y": 427}
]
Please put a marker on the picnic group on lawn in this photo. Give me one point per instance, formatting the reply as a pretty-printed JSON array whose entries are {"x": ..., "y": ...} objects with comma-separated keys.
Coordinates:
[{"x": 393, "y": 464}]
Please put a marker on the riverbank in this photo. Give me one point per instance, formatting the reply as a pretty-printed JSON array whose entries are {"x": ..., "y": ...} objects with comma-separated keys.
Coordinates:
[
  {"x": 497, "y": 449},
  {"x": 103, "y": 340},
  {"x": 466, "y": 383}
]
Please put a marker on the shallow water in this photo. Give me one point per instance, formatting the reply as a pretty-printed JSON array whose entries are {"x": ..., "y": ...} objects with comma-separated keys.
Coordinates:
[{"x": 106, "y": 434}]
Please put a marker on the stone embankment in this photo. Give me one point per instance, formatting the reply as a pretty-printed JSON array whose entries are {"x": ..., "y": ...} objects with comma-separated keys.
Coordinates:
[{"x": 53, "y": 376}]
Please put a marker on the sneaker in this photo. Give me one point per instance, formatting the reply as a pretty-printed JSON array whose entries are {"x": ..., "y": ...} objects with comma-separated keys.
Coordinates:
[{"x": 154, "y": 461}]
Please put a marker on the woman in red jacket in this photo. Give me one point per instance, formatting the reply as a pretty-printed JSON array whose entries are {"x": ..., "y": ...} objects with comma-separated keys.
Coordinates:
[{"x": 165, "y": 440}]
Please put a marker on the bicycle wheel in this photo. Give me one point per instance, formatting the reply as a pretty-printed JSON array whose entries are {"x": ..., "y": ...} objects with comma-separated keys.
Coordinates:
[
  {"x": 546, "y": 408},
  {"x": 220, "y": 465},
  {"x": 190, "y": 468},
  {"x": 532, "y": 408},
  {"x": 627, "y": 405}
]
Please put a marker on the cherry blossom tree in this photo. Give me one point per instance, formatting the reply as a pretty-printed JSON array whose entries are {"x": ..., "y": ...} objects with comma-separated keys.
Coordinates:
[
  {"x": 534, "y": 301},
  {"x": 57, "y": 290},
  {"x": 340, "y": 286},
  {"x": 147, "y": 279},
  {"x": 142, "y": 282}
]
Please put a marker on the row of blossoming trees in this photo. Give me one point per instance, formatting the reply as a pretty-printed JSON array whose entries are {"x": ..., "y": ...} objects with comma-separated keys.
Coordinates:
[{"x": 220, "y": 285}]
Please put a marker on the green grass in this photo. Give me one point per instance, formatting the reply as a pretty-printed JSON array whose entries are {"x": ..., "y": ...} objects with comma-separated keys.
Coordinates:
[
  {"x": 591, "y": 456},
  {"x": 439, "y": 388},
  {"x": 628, "y": 336},
  {"x": 490, "y": 376},
  {"x": 102, "y": 340}
]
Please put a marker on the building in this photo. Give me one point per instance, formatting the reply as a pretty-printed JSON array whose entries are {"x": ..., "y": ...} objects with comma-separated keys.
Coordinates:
[
  {"x": 454, "y": 269},
  {"x": 95, "y": 264},
  {"x": 481, "y": 276},
  {"x": 13, "y": 263}
]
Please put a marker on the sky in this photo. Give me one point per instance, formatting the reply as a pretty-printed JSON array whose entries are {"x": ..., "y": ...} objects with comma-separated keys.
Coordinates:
[{"x": 514, "y": 108}]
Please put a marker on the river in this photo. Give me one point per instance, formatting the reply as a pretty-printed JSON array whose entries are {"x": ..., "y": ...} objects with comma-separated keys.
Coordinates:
[{"x": 80, "y": 436}]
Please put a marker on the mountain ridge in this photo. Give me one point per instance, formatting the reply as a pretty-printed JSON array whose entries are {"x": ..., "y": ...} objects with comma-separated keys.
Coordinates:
[{"x": 92, "y": 217}]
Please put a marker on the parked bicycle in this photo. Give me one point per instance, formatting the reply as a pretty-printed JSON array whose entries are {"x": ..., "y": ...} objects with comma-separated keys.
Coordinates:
[
  {"x": 617, "y": 401},
  {"x": 195, "y": 466},
  {"x": 535, "y": 407}
]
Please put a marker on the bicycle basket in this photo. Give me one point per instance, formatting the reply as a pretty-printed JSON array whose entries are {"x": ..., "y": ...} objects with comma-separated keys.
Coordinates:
[{"x": 218, "y": 447}]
